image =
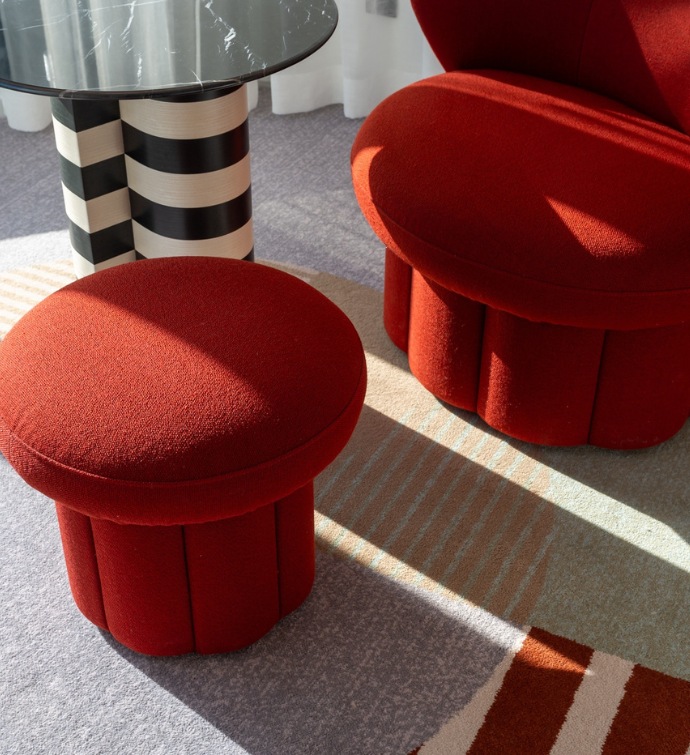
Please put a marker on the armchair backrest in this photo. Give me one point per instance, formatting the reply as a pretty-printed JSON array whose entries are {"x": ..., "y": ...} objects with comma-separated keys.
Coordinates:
[{"x": 634, "y": 51}]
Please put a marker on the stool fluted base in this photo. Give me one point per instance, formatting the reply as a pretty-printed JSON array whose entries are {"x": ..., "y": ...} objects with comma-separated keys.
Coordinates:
[{"x": 205, "y": 588}]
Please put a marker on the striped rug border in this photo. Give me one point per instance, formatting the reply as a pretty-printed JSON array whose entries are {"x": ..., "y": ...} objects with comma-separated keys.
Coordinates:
[{"x": 553, "y": 695}]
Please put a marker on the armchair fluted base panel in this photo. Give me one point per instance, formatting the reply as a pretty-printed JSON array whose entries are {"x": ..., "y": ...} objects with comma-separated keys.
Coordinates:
[{"x": 539, "y": 382}]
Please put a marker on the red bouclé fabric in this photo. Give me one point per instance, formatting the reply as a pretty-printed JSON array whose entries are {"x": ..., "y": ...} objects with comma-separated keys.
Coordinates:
[
  {"x": 178, "y": 391},
  {"x": 538, "y": 380},
  {"x": 541, "y": 199},
  {"x": 634, "y": 51},
  {"x": 234, "y": 590},
  {"x": 445, "y": 342},
  {"x": 396, "y": 308},
  {"x": 79, "y": 550},
  {"x": 214, "y": 587},
  {"x": 294, "y": 526},
  {"x": 544, "y": 177},
  {"x": 144, "y": 585},
  {"x": 177, "y": 411}
]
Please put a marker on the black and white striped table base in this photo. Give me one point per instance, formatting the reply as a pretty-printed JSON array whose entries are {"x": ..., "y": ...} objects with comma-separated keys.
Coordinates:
[
  {"x": 88, "y": 136},
  {"x": 155, "y": 177}
]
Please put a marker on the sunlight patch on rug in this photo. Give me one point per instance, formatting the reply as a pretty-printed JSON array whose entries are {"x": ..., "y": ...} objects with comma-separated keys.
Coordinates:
[{"x": 625, "y": 522}]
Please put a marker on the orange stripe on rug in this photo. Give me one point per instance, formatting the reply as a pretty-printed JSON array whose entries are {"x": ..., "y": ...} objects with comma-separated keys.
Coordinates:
[
  {"x": 653, "y": 717},
  {"x": 457, "y": 735},
  {"x": 535, "y": 697}
]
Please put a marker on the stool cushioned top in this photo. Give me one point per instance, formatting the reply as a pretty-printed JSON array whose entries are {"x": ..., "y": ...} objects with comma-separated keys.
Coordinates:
[
  {"x": 178, "y": 390},
  {"x": 537, "y": 198}
]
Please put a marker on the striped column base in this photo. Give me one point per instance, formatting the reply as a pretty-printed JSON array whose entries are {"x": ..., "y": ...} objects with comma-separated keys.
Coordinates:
[
  {"x": 88, "y": 136},
  {"x": 156, "y": 177},
  {"x": 205, "y": 588}
]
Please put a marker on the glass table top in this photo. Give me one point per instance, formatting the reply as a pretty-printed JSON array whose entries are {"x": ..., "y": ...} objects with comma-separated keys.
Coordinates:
[{"x": 136, "y": 48}]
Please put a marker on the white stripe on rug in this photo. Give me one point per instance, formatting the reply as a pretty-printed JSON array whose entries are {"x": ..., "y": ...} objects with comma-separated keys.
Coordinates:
[
  {"x": 456, "y": 736},
  {"x": 596, "y": 701}
]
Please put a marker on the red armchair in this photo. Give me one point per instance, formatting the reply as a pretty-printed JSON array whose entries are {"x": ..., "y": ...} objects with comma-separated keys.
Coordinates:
[{"x": 534, "y": 201}]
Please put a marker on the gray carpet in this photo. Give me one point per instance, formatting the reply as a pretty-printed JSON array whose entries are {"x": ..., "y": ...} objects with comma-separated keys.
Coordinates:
[
  {"x": 395, "y": 638},
  {"x": 357, "y": 670}
]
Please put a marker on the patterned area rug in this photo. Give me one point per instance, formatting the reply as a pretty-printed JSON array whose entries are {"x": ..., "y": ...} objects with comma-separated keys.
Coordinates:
[
  {"x": 588, "y": 545},
  {"x": 552, "y": 695}
]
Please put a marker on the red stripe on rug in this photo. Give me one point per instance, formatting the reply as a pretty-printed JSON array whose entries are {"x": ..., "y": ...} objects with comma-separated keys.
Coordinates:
[
  {"x": 534, "y": 699},
  {"x": 653, "y": 717}
]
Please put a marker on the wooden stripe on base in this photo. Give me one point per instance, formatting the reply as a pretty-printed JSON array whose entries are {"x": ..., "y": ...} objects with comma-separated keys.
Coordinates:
[
  {"x": 156, "y": 177},
  {"x": 83, "y": 267},
  {"x": 236, "y": 245},
  {"x": 90, "y": 147},
  {"x": 210, "y": 114},
  {"x": 191, "y": 223},
  {"x": 91, "y": 181},
  {"x": 190, "y": 190},
  {"x": 98, "y": 213},
  {"x": 101, "y": 246},
  {"x": 186, "y": 155},
  {"x": 188, "y": 174}
]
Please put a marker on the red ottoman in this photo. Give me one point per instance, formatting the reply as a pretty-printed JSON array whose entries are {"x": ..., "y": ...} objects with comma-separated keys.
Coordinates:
[{"x": 177, "y": 411}]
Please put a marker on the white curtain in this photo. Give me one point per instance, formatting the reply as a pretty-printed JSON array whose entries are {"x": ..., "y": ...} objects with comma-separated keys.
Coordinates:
[{"x": 377, "y": 48}]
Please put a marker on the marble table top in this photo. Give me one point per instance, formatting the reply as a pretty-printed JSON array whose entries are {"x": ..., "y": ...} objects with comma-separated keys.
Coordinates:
[{"x": 139, "y": 48}]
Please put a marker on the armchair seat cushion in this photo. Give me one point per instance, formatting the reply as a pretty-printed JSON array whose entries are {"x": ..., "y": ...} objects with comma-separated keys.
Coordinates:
[{"x": 549, "y": 202}]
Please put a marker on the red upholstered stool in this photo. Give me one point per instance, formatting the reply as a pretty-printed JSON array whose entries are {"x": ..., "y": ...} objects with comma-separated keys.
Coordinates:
[
  {"x": 538, "y": 242},
  {"x": 177, "y": 411}
]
